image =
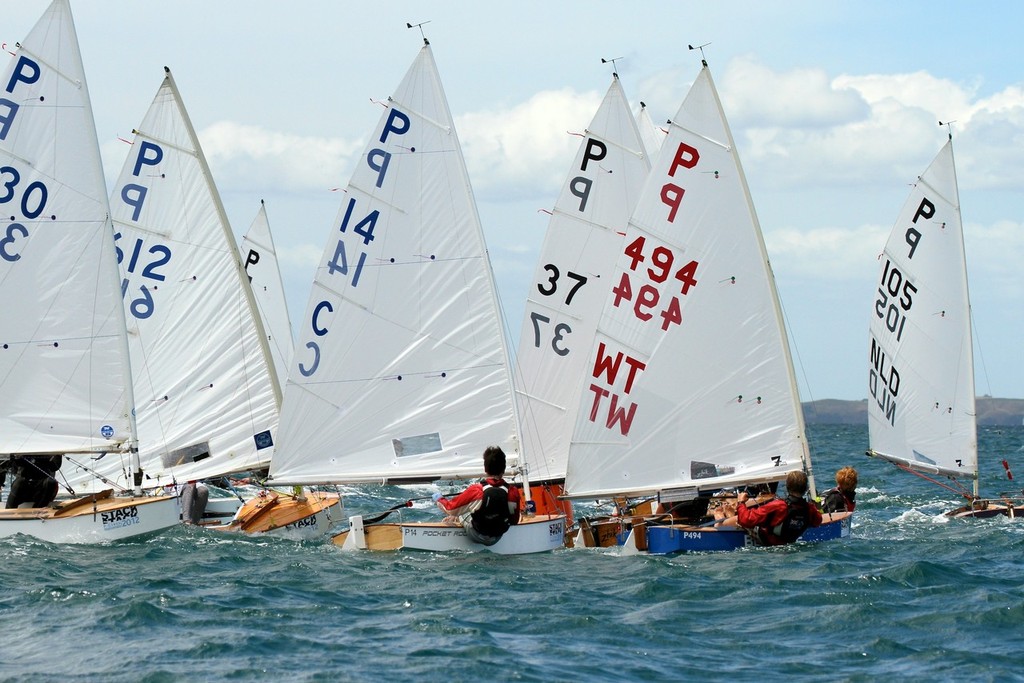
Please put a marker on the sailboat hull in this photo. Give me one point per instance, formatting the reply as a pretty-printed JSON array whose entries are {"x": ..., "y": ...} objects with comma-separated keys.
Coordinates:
[
  {"x": 538, "y": 534},
  {"x": 92, "y": 519},
  {"x": 221, "y": 511},
  {"x": 666, "y": 539},
  {"x": 298, "y": 518},
  {"x": 989, "y": 510}
]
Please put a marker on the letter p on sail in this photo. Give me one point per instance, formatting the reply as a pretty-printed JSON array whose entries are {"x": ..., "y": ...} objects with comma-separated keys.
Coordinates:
[
  {"x": 26, "y": 71},
  {"x": 149, "y": 155},
  {"x": 596, "y": 150},
  {"x": 672, "y": 197},
  {"x": 686, "y": 157},
  {"x": 395, "y": 118}
]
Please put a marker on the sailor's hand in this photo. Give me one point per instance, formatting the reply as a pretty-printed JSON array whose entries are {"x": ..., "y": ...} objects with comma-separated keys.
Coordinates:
[
  {"x": 437, "y": 496},
  {"x": 742, "y": 498}
]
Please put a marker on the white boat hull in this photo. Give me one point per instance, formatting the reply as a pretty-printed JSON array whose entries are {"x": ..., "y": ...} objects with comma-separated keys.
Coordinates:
[
  {"x": 102, "y": 521},
  {"x": 538, "y": 534},
  {"x": 220, "y": 511}
]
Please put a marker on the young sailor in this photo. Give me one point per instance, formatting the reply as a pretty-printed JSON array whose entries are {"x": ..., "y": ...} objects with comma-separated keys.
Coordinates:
[
  {"x": 778, "y": 521},
  {"x": 487, "y": 508},
  {"x": 841, "y": 498}
]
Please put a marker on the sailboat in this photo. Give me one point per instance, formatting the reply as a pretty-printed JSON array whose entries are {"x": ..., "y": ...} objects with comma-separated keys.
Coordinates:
[
  {"x": 260, "y": 260},
  {"x": 690, "y": 389},
  {"x": 401, "y": 373},
  {"x": 652, "y": 134},
  {"x": 208, "y": 395},
  {"x": 569, "y": 287},
  {"x": 921, "y": 391},
  {"x": 65, "y": 374}
]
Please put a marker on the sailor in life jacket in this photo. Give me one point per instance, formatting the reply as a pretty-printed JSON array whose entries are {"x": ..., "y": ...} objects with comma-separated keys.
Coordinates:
[
  {"x": 778, "y": 521},
  {"x": 842, "y": 497},
  {"x": 487, "y": 508}
]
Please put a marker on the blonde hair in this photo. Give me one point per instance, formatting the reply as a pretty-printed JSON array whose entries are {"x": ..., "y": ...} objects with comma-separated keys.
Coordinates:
[{"x": 846, "y": 478}]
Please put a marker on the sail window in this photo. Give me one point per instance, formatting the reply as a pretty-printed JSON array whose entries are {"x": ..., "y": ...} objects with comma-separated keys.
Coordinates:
[
  {"x": 183, "y": 456},
  {"x": 417, "y": 445}
]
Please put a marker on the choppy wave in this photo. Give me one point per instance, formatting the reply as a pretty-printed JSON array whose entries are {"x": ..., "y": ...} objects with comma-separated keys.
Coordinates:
[{"x": 911, "y": 595}]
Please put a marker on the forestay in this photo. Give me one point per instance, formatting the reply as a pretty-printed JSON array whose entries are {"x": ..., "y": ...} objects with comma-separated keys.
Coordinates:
[
  {"x": 63, "y": 355},
  {"x": 261, "y": 266},
  {"x": 921, "y": 395},
  {"x": 207, "y": 396},
  {"x": 572, "y": 280},
  {"x": 690, "y": 382},
  {"x": 400, "y": 371}
]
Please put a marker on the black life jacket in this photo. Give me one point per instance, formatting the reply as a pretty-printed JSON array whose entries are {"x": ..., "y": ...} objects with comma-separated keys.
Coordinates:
[
  {"x": 494, "y": 516},
  {"x": 796, "y": 521},
  {"x": 836, "y": 500}
]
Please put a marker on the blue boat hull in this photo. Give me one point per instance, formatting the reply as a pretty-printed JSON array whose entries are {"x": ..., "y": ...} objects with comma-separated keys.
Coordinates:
[{"x": 665, "y": 540}]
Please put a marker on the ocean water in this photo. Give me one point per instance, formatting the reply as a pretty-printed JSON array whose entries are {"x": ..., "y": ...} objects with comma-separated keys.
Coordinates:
[{"x": 910, "y": 595}]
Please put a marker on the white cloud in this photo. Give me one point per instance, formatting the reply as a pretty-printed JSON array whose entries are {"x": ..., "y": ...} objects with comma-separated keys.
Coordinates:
[
  {"x": 833, "y": 253},
  {"x": 757, "y": 96},
  {"x": 300, "y": 256},
  {"x": 920, "y": 90},
  {"x": 525, "y": 150},
  {"x": 253, "y": 157},
  {"x": 994, "y": 255},
  {"x": 798, "y": 129}
]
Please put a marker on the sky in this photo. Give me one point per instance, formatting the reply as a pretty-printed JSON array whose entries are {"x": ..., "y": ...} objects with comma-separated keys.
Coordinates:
[{"x": 834, "y": 108}]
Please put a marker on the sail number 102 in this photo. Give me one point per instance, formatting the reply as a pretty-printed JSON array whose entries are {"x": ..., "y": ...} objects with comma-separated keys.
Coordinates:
[{"x": 646, "y": 298}]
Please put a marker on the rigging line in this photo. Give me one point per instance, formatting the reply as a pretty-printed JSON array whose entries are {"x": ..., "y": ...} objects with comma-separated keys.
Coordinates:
[
  {"x": 981, "y": 356},
  {"x": 96, "y": 474},
  {"x": 520, "y": 391},
  {"x": 796, "y": 350},
  {"x": 29, "y": 460},
  {"x": 960, "y": 491}
]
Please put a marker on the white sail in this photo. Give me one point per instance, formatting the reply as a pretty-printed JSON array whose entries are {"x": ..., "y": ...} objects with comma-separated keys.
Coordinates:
[
  {"x": 63, "y": 358},
  {"x": 572, "y": 278},
  {"x": 652, "y": 134},
  {"x": 207, "y": 395},
  {"x": 260, "y": 259},
  {"x": 921, "y": 366},
  {"x": 400, "y": 371},
  {"x": 690, "y": 384}
]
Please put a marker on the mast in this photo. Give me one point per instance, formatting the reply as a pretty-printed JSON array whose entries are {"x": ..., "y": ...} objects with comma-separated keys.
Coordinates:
[
  {"x": 496, "y": 303},
  {"x": 230, "y": 239},
  {"x": 967, "y": 291},
  {"x": 114, "y": 276},
  {"x": 794, "y": 393}
]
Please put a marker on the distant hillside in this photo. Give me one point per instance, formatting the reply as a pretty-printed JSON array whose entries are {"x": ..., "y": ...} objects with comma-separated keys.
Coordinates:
[{"x": 1001, "y": 412}]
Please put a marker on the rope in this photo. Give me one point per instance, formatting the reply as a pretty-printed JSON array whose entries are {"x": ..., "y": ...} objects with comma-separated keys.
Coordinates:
[
  {"x": 95, "y": 474},
  {"x": 960, "y": 491}
]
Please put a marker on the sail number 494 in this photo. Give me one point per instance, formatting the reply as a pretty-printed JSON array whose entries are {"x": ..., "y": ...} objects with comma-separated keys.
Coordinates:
[{"x": 646, "y": 298}]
